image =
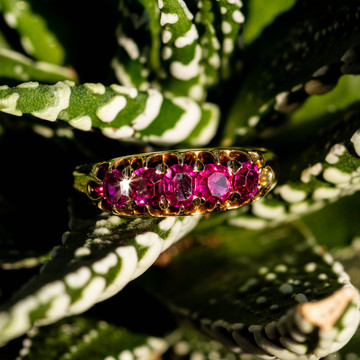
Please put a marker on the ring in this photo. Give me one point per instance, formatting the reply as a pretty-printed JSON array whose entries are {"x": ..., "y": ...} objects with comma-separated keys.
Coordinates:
[{"x": 178, "y": 182}]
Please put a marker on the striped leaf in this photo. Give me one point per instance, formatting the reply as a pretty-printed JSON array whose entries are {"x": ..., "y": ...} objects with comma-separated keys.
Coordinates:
[
  {"x": 283, "y": 68},
  {"x": 177, "y": 46},
  {"x": 35, "y": 35},
  {"x": 98, "y": 258},
  {"x": 120, "y": 112},
  {"x": 321, "y": 174},
  {"x": 16, "y": 66},
  {"x": 79, "y": 338},
  {"x": 350, "y": 351},
  {"x": 232, "y": 19},
  {"x": 137, "y": 46},
  {"x": 271, "y": 294},
  {"x": 261, "y": 14}
]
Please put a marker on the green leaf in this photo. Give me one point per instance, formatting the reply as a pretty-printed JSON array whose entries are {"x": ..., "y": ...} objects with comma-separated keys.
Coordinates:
[
  {"x": 79, "y": 338},
  {"x": 181, "y": 53},
  {"x": 316, "y": 176},
  {"x": 342, "y": 96},
  {"x": 16, "y": 66},
  {"x": 98, "y": 258},
  {"x": 187, "y": 343},
  {"x": 281, "y": 69},
  {"x": 195, "y": 50},
  {"x": 136, "y": 45},
  {"x": 261, "y": 14},
  {"x": 232, "y": 20},
  {"x": 121, "y": 112},
  {"x": 155, "y": 30},
  {"x": 3, "y": 42},
  {"x": 349, "y": 256},
  {"x": 350, "y": 351},
  {"x": 35, "y": 36},
  {"x": 336, "y": 225},
  {"x": 274, "y": 293},
  {"x": 209, "y": 41}
]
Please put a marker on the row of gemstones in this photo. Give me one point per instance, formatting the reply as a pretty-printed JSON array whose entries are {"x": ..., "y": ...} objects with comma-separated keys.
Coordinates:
[{"x": 180, "y": 184}]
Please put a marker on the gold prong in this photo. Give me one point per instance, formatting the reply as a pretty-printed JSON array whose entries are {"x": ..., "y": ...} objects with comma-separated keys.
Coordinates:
[
  {"x": 127, "y": 172},
  {"x": 257, "y": 159},
  {"x": 130, "y": 204},
  {"x": 164, "y": 204},
  {"x": 266, "y": 176},
  {"x": 199, "y": 166},
  {"x": 234, "y": 165}
]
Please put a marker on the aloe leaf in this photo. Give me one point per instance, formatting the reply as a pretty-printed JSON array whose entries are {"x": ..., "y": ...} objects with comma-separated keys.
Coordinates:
[
  {"x": 336, "y": 226},
  {"x": 349, "y": 256},
  {"x": 319, "y": 175},
  {"x": 85, "y": 337},
  {"x": 232, "y": 20},
  {"x": 209, "y": 41},
  {"x": 261, "y": 14},
  {"x": 3, "y": 42},
  {"x": 155, "y": 31},
  {"x": 350, "y": 351},
  {"x": 194, "y": 49},
  {"x": 270, "y": 294},
  {"x": 98, "y": 258},
  {"x": 36, "y": 38},
  {"x": 181, "y": 53},
  {"x": 121, "y": 112},
  {"x": 283, "y": 68},
  {"x": 135, "y": 44},
  {"x": 345, "y": 94},
  {"x": 187, "y": 343},
  {"x": 14, "y": 65}
]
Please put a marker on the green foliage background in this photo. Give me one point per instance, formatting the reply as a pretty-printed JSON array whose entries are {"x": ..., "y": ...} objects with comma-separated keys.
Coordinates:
[{"x": 82, "y": 85}]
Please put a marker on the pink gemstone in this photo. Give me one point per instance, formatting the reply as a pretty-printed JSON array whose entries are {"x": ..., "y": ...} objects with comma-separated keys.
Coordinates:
[
  {"x": 146, "y": 186},
  {"x": 246, "y": 180},
  {"x": 179, "y": 185},
  {"x": 214, "y": 183},
  {"x": 116, "y": 188},
  {"x": 99, "y": 190}
]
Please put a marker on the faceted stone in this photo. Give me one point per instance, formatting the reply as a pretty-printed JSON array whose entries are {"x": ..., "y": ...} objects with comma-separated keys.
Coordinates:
[
  {"x": 246, "y": 180},
  {"x": 99, "y": 191},
  {"x": 116, "y": 188},
  {"x": 146, "y": 186},
  {"x": 179, "y": 185},
  {"x": 214, "y": 183}
]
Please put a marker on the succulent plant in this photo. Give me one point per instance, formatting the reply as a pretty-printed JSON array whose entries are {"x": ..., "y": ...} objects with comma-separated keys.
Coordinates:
[{"x": 277, "y": 278}]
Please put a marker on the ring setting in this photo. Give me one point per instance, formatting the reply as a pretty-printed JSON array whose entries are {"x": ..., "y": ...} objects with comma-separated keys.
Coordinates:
[{"x": 175, "y": 183}]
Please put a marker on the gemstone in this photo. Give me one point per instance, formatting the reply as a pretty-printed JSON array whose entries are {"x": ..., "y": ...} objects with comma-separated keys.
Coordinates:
[
  {"x": 246, "y": 180},
  {"x": 99, "y": 191},
  {"x": 146, "y": 186},
  {"x": 116, "y": 188},
  {"x": 214, "y": 183},
  {"x": 179, "y": 185}
]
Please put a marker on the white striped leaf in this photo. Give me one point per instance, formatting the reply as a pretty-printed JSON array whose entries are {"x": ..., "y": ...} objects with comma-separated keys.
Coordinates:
[
  {"x": 35, "y": 35},
  {"x": 120, "y": 112},
  {"x": 320, "y": 174},
  {"x": 80, "y": 337},
  {"x": 274, "y": 294},
  {"x": 96, "y": 261},
  {"x": 282, "y": 69}
]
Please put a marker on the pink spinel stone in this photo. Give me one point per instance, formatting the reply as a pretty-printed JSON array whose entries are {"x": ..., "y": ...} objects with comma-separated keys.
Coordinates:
[
  {"x": 116, "y": 188},
  {"x": 214, "y": 183},
  {"x": 179, "y": 185},
  {"x": 246, "y": 180},
  {"x": 146, "y": 186}
]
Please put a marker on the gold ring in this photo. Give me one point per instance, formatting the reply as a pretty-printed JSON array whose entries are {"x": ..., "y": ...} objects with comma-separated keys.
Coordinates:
[{"x": 178, "y": 182}]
